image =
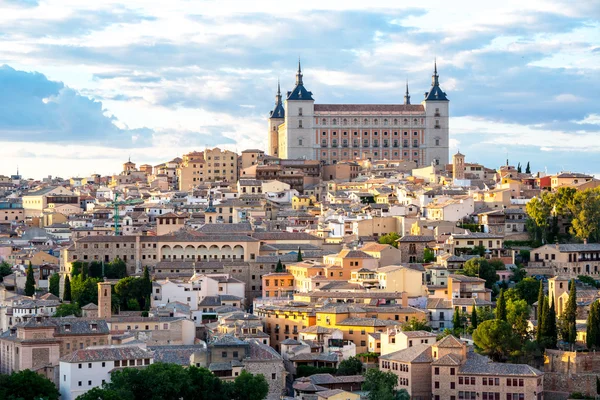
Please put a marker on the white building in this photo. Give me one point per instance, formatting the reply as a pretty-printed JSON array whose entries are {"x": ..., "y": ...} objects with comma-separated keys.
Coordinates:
[
  {"x": 89, "y": 368},
  {"x": 394, "y": 339}
]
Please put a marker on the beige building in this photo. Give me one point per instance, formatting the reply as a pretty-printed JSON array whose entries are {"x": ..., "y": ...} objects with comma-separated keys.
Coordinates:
[
  {"x": 569, "y": 179},
  {"x": 35, "y": 202},
  {"x": 448, "y": 370},
  {"x": 11, "y": 213},
  {"x": 207, "y": 166},
  {"x": 568, "y": 260}
]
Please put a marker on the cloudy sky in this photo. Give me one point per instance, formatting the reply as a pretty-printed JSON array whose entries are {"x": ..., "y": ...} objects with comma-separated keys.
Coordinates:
[{"x": 84, "y": 85}]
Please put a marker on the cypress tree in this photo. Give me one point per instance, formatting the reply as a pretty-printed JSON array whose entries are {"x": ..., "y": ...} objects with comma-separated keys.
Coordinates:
[
  {"x": 540, "y": 313},
  {"x": 544, "y": 321},
  {"x": 30, "y": 282},
  {"x": 528, "y": 168},
  {"x": 551, "y": 330},
  {"x": 279, "y": 267},
  {"x": 67, "y": 291},
  {"x": 456, "y": 320},
  {"x": 474, "y": 318},
  {"x": 299, "y": 259},
  {"x": 592, "y": 327},
  {"x": 147, "y": 284},
  {"x": 501, "y": 306},
  {"x": 570, "y": 330}
]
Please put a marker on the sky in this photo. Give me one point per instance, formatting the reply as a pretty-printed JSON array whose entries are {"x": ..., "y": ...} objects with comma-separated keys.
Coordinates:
[{"x": 86, "y": 85}]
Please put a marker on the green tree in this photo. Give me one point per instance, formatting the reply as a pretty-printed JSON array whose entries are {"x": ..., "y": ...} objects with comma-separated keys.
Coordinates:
[
  {"x": 5, "y": 270},
  {"x": 132, "y": 288},
  {"x": 569, "y": 327},
  {"x": 528, "y": 168},
  {"x": 428, "y": 255},
  {"x": 84, "y": 290},
  {"x": 402, "y": 394},
  {"x": 67, "y": 290},
  {"x": 517, "y": 314},
  {"x": 481, "y": 268},
  {"x": 528, "y": 289},
  {"x": 30, "y": 282},
  {"x": 538, "y": 211},
  {"x": 474, "y": 321},
  {"x": 104, "y": 394},
  {"x": 147, "y": 284},
  {"x": 379, "y": 384},
  {"x": 484, "y": 314},
  {"x": 551, "y": 329},
  {"x": 249, "y": 387},
  {"x": 519, "y": 168},
  {"x": 585, "y": 207},
  {"x": 496, "y": 339},
  {"x": 299, "y": 258},
  {"x": 501, "y": 306},
  {"x": 479, "y": 250},
  {"x": 27, "y": 385},
  {"x": 204, "y": 385},
  {"x": 351, "y": 366},
  {"x": 593, "y": 327},
  {"x": 76, "y": 268},
  {"x": 67, "y": 309},
  {"x": 457, "y": 321},
  {"x": 416, "y": 325},
  {"x": 54, "y": 284},
  {"x": 117, "y": 269},
  {"x": 540, "y": 313},
  {"x": 279, "y": 267},
  {"x": 391, "y": 239}
]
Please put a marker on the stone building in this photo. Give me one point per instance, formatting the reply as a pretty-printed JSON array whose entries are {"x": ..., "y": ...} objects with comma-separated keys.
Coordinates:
[
  {"x": 209, "y": 165},
  {"x": 300, "y": 129},
  {"x": 412, "y": 248}
]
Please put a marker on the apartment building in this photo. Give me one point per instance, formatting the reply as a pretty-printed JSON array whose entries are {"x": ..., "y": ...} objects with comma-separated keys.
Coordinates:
[{"x": 210, "y": 165}]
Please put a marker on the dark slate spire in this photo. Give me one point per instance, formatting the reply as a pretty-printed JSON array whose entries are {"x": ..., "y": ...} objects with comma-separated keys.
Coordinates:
[
  {"x": 436, "y": 93},
  {"x": 299, "y": 92},
  {"x": 299, "y": 74},
  {"x": 278, "y": 111},
  {"x": 407, "y": 95}
]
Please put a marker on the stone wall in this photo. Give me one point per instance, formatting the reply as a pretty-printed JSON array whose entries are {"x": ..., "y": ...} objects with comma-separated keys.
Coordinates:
[
  {"x": 567, "y": 372},
  {"x": 273, "y": 372}
]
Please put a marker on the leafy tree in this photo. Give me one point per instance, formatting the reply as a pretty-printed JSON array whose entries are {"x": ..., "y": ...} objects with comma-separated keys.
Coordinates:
[
  {"x": 479, "y": 250},
  {"x": 588, "y": 280},
  {"x": 391, "y": 239},
  {"x": 117, "y": 269},
  {"x": 528, "y": 168},
  {"x": 481, "y": 268},
  {"x": 496, "y": 339},
  {"x": 132, "y": 288},
  {"x": 416, "y": 325},
  {"x": 147, "y": 284},
  {"x": 103, "y": 394},
  {"x": 76, "y": 268},
  {"x": 67, "y": 309},
  {"x": 484, "y": 314},
  {"x": 593, "y": 327},
  {"x": 299, "y": 258},
  {"x": 585, "y": 207},
  {"x": 67, "y": 290},
  {"x": 30, "y": 282},
  {"x": 379, "y": 384},
  {"x": 351, "y": 366},
  {"x": 84, "y": 291},
  {"x": 569, "y": 328},
  {"x": 27, "y": 385},
  {"x": 517, "y": 314},
  {"x": 279, "y": 267},
  {"x": 402, "y": 394},
  {"x": 5, "y": 270},
  {"x": 249, "y": 387},
  {"x": 528, "y": 289},
  {"x": 428, "y": 255},
  {"x": 54, "y": 284},
  {"x": 205, "y": 385},
  {"x": 474, "y": 321},
  {"x": 538, "y": 210},
  {"x": 501, "y": 307}
]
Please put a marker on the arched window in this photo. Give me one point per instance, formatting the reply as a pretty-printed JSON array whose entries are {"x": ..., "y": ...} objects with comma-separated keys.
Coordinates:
[
  {"x": 324, "y": 122},
  {"x": 375, "y": 121},
  {"x": 395, "y": 121},
  {"x": 415, "y": 121},
  {"x": 365, "y": 122},
  {"x": 334, "y": 122},
  {"x": 355, "y": 121},
  {"x": 405, "y": 121},
  {"x": 345, "y": 122},
  {"x": 385, "y": 121}
]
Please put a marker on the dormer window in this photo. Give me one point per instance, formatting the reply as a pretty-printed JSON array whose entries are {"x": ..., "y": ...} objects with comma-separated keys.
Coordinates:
[
  {"x": 68, "y": 328},
  {"x": 94, "y": 327}
]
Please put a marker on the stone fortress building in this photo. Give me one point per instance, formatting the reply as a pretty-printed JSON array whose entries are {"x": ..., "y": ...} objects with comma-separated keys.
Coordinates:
[{"x": 301, "y": 129}]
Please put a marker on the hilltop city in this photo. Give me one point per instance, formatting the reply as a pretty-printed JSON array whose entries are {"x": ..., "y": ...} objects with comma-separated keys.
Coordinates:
[{"x": 354, "y": 258}]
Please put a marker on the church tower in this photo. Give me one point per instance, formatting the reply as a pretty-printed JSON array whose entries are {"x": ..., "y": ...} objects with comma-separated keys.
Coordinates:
[
  {"x": 299, "y": 138},
  {"x": 436, "y": 123},
  {"x": 104, "y": 300},
  {"x": 458, "y": 166},
  {"x": 276, "y": 118}
]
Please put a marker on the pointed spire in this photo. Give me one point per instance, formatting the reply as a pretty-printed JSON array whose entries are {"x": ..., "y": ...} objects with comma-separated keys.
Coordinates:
[
  {"x": 407, "y": 95},
  {"x": 299, "y": 74},
  {"x": 434, "y": 77},
  {"x": 278, "y": 95}
]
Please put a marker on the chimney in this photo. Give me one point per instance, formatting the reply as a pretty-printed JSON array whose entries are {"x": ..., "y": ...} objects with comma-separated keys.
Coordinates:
[{"x": 585, "y": 241}]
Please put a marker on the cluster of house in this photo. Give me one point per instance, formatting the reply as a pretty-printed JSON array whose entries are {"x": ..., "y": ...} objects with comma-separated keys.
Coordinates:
[{"x": 268, "y": 265}]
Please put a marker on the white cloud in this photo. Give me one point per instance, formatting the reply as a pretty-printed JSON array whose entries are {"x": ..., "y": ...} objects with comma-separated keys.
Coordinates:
[{"x": 593, "y": 119}]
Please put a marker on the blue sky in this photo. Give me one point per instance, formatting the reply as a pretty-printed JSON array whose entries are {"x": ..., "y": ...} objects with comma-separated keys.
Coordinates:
[{"x": 85, "y": 85}]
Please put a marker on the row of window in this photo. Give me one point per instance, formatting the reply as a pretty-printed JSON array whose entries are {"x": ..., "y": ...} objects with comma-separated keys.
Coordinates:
[
  {"x": 365, "y": 143},
  {"x": 375, "y": 153},
  {"x": 366, "y": 133},
  {"x": 485, "y": 396},
  {"x": 365, "y": 121}
]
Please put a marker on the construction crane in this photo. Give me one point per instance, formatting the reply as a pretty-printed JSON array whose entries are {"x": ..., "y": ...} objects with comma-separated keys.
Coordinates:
[{"x": 116, "y": 204}]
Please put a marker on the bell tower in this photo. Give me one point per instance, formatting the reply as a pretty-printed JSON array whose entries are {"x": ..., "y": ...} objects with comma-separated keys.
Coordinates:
[{"x": 104, "y": 300}]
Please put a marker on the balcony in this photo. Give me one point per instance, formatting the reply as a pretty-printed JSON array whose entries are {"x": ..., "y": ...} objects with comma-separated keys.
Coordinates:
[{"x": 437, "y": 127}]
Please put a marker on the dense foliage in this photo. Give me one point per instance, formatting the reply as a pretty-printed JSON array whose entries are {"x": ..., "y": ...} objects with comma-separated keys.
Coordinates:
[
  {"x": 390, "y": 238},
  {"x": 66, "y": 309},
  {"x": 173, "y": 382},
  {"x": 30, "y": 281},
  {"x": 4, "y": 270},
  {"x": 351, "y": 366},
  {"x": 27, "y": 385},
  {"x": 380, "y": 385}
]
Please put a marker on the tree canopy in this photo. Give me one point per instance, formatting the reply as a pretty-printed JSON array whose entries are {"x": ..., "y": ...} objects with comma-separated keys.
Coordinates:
[
  {"x": 496, "y": 339},
  {"x": 27, "y": 385},
  {"x": 528, "y": 289},
  {"x": 67, "y": 309},
  {"x": 351, "y": 366},
  {"x": 379, "y": 384},
  {"x": 174, "y": 382},
  {"x": 391, "y": 239},
  {"x": 5, "y": 270},
  {"x": 54, "y": 284},
  {"x": 416, "y": 325},
  {"x": 481, "y": 268}
]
